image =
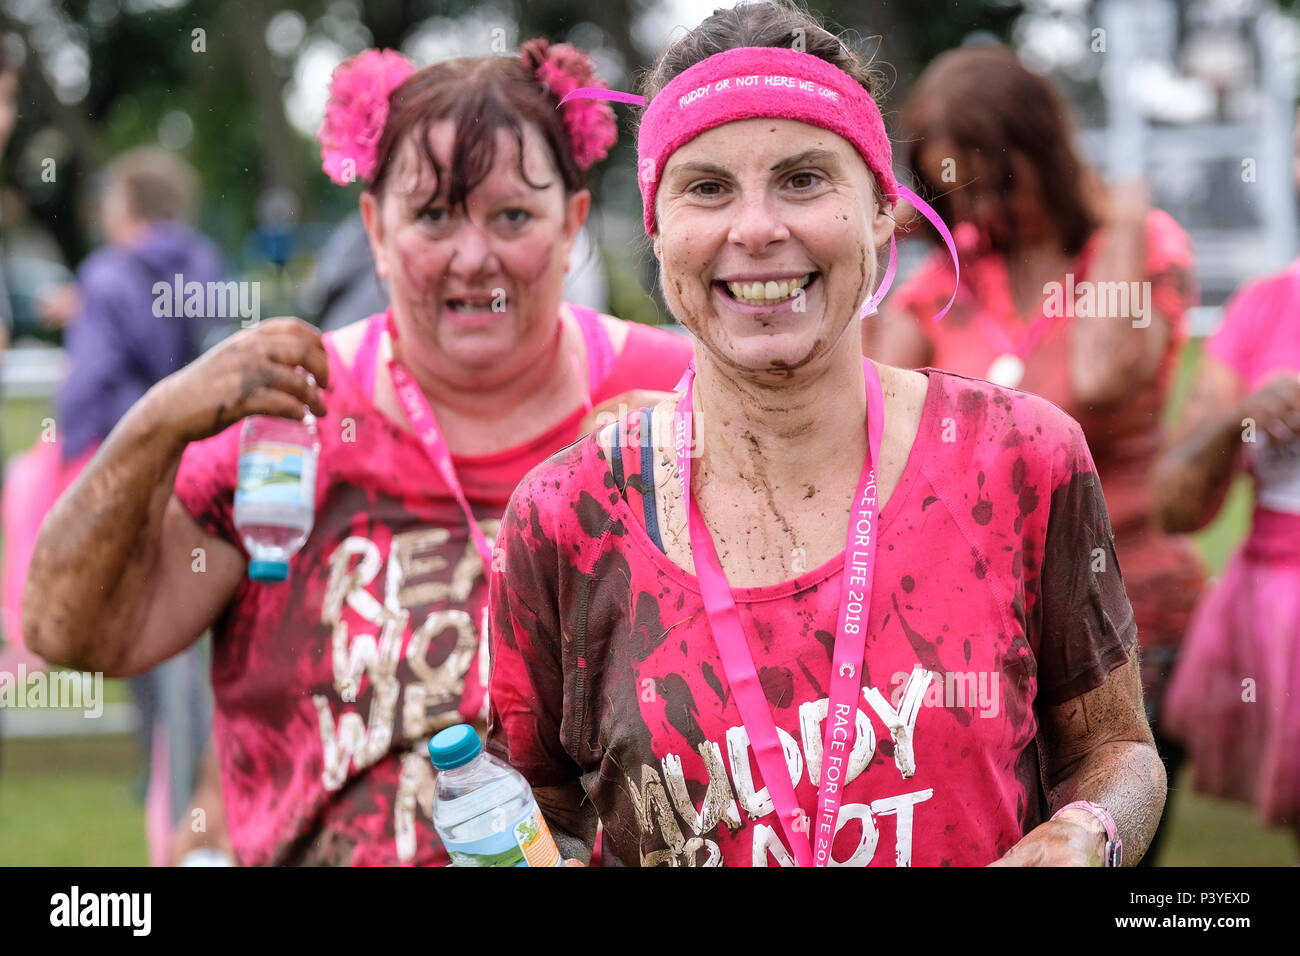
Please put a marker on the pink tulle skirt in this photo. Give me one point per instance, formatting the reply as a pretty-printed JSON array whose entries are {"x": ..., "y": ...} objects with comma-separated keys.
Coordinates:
[{"x": 1234, "y": 698}]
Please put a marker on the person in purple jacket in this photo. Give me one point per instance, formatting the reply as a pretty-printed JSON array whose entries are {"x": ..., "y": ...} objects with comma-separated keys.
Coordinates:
[{"x": 125, "y": 336}]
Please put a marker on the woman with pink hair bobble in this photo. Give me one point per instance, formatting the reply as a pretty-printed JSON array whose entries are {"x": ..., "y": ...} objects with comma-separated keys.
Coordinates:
[
  {"x": 854, "y": 605},
  {"x": 328, "y": 687}
]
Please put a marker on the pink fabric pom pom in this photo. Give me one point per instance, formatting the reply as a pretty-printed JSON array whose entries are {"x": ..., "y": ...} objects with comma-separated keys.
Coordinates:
[
  {"x": 356, "y": 112},
  {"x": 591, "y": 124}
]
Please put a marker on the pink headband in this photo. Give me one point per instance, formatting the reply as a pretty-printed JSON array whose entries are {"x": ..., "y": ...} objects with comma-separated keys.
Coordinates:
[
  {"x": 763, "y": 81},
  {"x": 777, "y": 82}
]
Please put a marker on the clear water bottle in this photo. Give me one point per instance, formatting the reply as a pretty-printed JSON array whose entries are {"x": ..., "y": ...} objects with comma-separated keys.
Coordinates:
[
  {"x": 275, "y": 499},
  {"x": 483, "y": 809}
]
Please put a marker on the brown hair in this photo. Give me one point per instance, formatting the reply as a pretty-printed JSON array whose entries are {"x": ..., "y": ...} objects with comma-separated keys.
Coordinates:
[
  {"x": 781, "y": 23},
  {"x": 776, "y": 23},
  {"x": 158, "y": 184},
  {"x": 481, "y": 95},
  {"x": 983, "y": 100}
]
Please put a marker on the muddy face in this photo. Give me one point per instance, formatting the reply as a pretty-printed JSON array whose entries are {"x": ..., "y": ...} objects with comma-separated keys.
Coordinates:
[
  {"x": 478, "y": 287},
  {"x": 766, "y": 237}
]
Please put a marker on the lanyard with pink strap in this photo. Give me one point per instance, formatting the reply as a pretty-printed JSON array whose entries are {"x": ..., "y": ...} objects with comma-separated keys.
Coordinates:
[
  {"x": 425, "y": 425},
  {"x": 420, "y": 415},
  {"x": 422, "y": 419},
  {"x": 1009, "y": 367},
  {"x": 847, "y": 656}
]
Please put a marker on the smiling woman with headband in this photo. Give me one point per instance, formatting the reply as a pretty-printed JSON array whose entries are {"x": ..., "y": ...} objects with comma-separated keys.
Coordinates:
[
  {"x": 839, "y": 610},
  {"x": 328, "y": 687}
]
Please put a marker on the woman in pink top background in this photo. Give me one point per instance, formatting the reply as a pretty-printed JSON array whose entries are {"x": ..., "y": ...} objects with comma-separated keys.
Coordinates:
[
  {"x": 328, "y": 686},
  {"x": 1070, "y": 289},
  {"x": 1233, "y": 698},
  {"x": 994, "y": 627}
]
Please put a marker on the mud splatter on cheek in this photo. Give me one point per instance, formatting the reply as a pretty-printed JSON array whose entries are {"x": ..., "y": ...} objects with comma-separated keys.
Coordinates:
[
  {"x": 529, "y": 263},
  {"x": 422, "y": 265}
]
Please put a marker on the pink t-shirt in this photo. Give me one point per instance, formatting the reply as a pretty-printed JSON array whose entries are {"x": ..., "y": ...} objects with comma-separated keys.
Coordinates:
[
  {"x": 328, "y": 686},
  {"x": 1260, "y": 338},
  {"x": 1260, "y": 334},
  {"x": 996, "y": 590}
]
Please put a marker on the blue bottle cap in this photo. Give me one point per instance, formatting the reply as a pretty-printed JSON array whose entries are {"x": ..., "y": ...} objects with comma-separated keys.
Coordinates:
[
  {"x": 454, "y": 747},
  {"x": 262, "y": 569}
]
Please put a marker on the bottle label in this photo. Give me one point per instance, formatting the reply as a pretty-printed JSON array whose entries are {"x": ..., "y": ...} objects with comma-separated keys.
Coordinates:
[
  {"x": 525, "y": 842},
  {"x": 277, "y": 473}
]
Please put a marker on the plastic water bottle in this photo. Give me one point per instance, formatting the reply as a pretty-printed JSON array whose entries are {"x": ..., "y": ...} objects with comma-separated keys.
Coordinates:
[
  {"x": 275, "y": 500},
  {"x": 483, "y": 809}
]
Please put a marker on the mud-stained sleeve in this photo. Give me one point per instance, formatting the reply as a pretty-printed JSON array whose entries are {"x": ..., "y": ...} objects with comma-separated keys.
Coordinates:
[
  {"x": 526, "y": 691},
  {"x": 205, "y": 483},
  {"x": 1087, "y": 622}
]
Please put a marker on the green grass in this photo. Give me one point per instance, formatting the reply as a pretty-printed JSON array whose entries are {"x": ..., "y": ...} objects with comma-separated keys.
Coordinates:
[
  {"x": 1205, "y": 831},
  {"x": 70, "y": 801},
  {"x": 20, "y": 423}
]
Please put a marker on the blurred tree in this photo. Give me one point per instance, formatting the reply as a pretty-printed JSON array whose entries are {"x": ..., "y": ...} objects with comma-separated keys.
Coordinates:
[
  {"x": 905, "y": 35},
  {"x": 202, "y": 76}
]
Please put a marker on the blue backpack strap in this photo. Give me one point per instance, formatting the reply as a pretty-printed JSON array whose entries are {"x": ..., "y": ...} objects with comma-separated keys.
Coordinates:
[
  {"x": 648, "y": 480},
  {"x": 616, "y": 458}
]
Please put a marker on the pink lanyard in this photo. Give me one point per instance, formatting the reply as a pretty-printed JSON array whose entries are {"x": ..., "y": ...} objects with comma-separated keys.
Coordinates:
[
  {"x": 846, "y": 659},
  {"x": 420, "y": 415},
  {"x": 1032, "y": 336}
]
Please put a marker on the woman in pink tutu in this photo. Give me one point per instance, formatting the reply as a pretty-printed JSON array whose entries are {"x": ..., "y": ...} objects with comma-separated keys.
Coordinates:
[{"x": 1232, "y": 699}]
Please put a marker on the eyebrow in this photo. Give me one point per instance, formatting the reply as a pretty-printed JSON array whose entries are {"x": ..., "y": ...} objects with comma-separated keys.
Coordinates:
[
  {"x": 707, "y": 169},
  {"x": 823, "y": 156}
]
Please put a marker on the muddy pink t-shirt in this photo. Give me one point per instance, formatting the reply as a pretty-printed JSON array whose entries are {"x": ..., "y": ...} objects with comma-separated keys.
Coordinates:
[
  {"x": 996, "y": 591},
  {"x": 328, "y": 686}
]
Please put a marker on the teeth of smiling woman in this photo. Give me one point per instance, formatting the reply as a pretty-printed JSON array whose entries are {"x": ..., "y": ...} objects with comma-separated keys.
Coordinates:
[
  {"x": 468, "y": 306},
  {"x": 762, "y": 293}
]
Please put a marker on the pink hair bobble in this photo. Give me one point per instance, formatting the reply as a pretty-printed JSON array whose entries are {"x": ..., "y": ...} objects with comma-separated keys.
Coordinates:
[
  {"x": 356, "y": 112},
  {"x": 564, "y": 68}
]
